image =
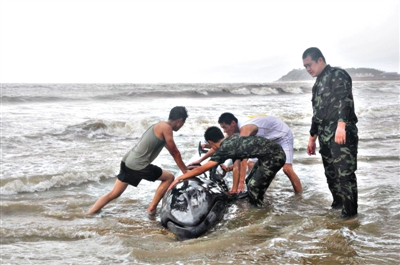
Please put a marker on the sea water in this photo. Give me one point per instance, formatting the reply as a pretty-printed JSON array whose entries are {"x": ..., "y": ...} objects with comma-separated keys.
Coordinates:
[{"x": 61, "y": 146}]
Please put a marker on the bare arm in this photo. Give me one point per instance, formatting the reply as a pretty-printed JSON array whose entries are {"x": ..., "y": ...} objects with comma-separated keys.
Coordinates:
[
  {"x": 195, "y": 172},
  {"x": 249, "y": 129},
  {"x": 171, "y": 147},
  {"x": 204, "y": 157}
]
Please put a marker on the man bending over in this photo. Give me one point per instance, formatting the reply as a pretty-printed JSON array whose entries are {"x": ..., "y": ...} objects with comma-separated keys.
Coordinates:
[
  {"x": 136, "y": 164},
  {"x": 271, "y": 159}
]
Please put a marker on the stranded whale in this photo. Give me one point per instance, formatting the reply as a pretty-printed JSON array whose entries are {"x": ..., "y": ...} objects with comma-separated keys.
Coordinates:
[{"x": 194, "y": 205}]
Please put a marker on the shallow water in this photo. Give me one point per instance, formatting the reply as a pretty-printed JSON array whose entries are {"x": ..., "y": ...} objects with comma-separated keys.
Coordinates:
[{"x": 61, "y": 148}]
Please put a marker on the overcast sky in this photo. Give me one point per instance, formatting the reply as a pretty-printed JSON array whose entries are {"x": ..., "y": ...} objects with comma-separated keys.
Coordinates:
[{"x": 149, "y": 41}]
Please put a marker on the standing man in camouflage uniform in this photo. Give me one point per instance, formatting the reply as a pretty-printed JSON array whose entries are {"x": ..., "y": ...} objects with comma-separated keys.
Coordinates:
[
  {"x": 334, "y": 124},
  {"x": 271, "y": 159}
]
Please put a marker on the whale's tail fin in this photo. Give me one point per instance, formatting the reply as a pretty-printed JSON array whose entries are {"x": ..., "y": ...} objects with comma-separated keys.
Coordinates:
[{"x": 201, "y": 150}]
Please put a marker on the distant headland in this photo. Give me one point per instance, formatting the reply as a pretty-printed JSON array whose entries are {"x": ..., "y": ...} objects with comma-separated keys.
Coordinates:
[{"x": 357, "y": 74}]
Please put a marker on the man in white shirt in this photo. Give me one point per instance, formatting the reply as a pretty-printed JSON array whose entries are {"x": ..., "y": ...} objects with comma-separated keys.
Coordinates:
[{"x": 269, "y": 127}]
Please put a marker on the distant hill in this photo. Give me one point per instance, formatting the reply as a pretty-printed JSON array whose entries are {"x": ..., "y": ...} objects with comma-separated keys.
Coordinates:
[{"x": 357, "y": 74}]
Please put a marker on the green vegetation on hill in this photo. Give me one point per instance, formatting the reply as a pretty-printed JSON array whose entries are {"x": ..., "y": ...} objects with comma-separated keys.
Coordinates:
[{"x": 355, "y": 73}]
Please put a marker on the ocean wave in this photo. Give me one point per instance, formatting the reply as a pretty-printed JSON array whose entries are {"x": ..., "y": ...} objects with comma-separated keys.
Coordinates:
[
  {"x": 380, "y": 111},
  {"x": 32, "y": 93},
  {"x": 43, "y": 183},
  {"x": 97, "y": 129},
  {"x": 381, "y": 86},
  {"x": 34, "y": 99},
  {"x": 370, "y": 158}
]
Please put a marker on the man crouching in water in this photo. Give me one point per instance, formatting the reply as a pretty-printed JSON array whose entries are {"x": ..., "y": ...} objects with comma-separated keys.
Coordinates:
[
  {"x": 136, "y": 164},
  {"x": 271, "y": 159}
]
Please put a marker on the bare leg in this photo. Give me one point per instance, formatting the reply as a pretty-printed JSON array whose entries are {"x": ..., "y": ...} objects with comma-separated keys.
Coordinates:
[
  {"x": 242, "y": 175},
  {"x": 166, "y": 180},
  {"x": 288, "y": 170},
  {"x": 118, "y": 189},
  {"x": 235, "y": 177},
  {"x": 250, "y": 165}
]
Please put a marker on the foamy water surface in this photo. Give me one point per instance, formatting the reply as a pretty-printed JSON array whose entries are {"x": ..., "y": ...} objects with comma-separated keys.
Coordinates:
[{"x": 62, "y": 145}]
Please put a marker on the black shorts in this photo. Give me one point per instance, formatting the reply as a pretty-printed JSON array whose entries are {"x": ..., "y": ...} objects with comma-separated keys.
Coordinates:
[{"x": 133, "y": 177}]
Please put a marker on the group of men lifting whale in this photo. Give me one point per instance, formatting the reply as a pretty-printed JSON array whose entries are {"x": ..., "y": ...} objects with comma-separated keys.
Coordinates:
[{"x": 260, "y": 146}]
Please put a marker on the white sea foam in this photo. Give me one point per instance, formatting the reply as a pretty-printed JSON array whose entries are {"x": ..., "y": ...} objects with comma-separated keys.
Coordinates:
[
  {"x": 264, "y": 91},
  {"x": 241, "y": 91}
]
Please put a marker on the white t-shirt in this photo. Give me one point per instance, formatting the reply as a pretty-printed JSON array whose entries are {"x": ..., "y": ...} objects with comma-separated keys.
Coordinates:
[
  {"x": 269, "y": 127},
  {"x": 274, "y": 129}
]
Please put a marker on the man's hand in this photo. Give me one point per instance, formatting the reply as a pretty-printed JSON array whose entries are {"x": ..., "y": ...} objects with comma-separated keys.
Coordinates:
[
  {"x": 205, "y": 146},
  {"x": 311, "y": 145},
  {"x": 173, "y": 183},
  {"x": 225, "y": 168},
  {"x": 340, "y": 135}
]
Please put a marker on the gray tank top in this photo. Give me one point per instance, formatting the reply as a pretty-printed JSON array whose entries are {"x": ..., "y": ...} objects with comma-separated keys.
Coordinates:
[{"x": 145, "y": 151}]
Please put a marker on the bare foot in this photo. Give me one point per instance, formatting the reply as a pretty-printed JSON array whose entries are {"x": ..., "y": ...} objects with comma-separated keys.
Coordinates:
[{"x": 151, "y": 213}]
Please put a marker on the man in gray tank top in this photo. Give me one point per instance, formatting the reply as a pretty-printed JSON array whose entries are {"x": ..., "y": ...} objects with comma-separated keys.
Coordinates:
[{"x": 136, "y": 164}]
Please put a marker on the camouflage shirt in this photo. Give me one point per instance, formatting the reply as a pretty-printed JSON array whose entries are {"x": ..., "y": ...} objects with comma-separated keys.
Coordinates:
[
  {"x": 240, "y": 147},
  {"x": 332, "y": 101}
]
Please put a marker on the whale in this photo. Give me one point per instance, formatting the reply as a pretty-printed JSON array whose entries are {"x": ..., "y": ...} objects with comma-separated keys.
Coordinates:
[
  {"x": 192, "y": 207},
  {"x": 195, "y": 205}
]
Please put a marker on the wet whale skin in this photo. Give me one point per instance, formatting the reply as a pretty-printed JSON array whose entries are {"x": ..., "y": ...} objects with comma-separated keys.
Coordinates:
[{"x": 192, "y": 207}]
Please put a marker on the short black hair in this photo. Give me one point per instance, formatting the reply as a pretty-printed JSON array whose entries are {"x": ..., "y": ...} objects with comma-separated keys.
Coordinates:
[
  {"x": 214, "y": 134},
  {"x": 314, "y": 53},
  {"x": 227, "y": 118},
  {"x": 178, "y": 112}
]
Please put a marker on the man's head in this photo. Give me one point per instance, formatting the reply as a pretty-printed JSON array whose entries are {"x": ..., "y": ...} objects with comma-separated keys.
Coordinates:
[
  {"x": 178, "y": 116},
  {"x": 314, "y": 61},
  {"x": 229, "y": 123},
  {"x": 213, "y": 136}
]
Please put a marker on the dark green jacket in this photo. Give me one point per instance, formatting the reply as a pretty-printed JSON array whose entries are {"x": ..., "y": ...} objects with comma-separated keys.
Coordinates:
[
  {"x": 241, "y": 147},
  {"x": 332, "y": 101}
]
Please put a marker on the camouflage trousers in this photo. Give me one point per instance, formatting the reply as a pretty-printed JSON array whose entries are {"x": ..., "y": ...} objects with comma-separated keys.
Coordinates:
[
  {"x": 340, "y": 163},
  {"x": 261, "y": 176}
]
